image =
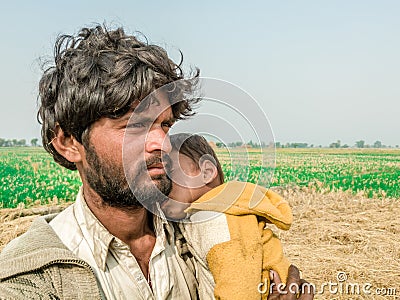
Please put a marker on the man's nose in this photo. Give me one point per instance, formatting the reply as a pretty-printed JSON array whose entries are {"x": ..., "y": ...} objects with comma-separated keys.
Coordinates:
[{"x": 158, "y": 140}]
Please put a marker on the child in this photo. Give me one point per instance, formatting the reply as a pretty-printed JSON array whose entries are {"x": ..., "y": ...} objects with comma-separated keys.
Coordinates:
[{"x": 225, "y": 223}]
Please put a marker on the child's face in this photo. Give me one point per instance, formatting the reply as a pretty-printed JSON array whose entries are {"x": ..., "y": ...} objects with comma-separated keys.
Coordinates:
[
  {"x": 187, "y": 182},
  {"x": 187, "y": 185}
]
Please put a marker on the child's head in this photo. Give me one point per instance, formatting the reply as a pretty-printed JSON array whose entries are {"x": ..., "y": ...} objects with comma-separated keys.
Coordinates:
[{"x": 195, "y": 171}]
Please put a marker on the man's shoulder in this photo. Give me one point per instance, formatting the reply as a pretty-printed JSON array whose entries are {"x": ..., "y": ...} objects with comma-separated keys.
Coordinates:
[
  {"x": 33, "y": 264},
  {"x": 35, "y": 248}
]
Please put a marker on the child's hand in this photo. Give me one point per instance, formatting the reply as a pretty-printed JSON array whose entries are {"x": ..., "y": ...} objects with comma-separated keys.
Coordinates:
[{"x": 296, "y": 288}]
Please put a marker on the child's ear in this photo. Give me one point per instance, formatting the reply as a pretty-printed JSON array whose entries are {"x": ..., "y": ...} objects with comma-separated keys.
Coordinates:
[
  {"x": 67, "y": 146},
  {"x": 208, "y": 171}
]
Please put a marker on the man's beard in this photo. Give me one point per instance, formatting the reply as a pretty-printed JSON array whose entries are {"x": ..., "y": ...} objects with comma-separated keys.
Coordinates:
[{"x": 110, "y": 183}]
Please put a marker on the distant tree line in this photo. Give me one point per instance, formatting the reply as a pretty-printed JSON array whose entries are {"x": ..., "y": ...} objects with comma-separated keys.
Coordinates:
[
  {"x": 18, "y": 143},
  {"x": 337, "y": 144},
  {"x": 250, "y": 144},
  {"x": 360, "y": 144}
]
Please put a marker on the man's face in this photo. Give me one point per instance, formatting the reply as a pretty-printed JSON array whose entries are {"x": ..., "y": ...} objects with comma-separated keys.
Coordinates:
[{"x": 127, "y": 158}]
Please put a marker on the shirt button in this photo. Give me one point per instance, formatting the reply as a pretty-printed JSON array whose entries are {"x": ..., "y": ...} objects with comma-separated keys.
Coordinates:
[{"x": 139, "y": 277}]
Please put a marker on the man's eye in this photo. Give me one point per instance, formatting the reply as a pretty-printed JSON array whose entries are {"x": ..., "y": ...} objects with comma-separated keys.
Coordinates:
[{"x": 136, "y": 125}]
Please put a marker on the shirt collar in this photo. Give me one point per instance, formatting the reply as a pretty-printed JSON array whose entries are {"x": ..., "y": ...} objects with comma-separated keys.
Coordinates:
[
  {"x": 99, "y": 235},
  {"x": 163, "y": 229},
  {"x": 103, "y": 239}
]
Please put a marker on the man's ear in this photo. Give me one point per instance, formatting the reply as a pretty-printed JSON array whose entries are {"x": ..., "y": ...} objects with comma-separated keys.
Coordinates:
[
  {"x": 67, "y": 145},
  {"x": 208, "y": 171}
]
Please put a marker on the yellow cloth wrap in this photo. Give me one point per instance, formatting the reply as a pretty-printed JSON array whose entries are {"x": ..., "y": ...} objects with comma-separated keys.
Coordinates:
[
  {"x": 243, "y": 198},
  {"x": 273, "y": 257},
  {"x": 242, "y": 263}
]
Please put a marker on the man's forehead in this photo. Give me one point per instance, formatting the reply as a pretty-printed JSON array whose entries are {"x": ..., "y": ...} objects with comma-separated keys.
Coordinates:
[{"x": 152, "y": 107}]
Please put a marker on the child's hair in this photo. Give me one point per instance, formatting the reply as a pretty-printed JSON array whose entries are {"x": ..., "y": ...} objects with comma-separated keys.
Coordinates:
[{"x": 197, "y": 149}]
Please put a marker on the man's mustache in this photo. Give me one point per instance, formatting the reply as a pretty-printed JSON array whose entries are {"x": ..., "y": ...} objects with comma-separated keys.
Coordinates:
[
  {"x": 142, "y": 169},
  {"x": 165, "y": 160}
]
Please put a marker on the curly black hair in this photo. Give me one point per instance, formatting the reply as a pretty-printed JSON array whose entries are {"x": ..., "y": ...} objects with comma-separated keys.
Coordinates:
[{"x": 101, "y": 73}]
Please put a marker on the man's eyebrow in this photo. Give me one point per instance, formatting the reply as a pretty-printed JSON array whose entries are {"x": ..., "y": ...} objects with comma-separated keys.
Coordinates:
[
  {"x": 143, "y": 119},
  {"x": 139, "y": 118}
]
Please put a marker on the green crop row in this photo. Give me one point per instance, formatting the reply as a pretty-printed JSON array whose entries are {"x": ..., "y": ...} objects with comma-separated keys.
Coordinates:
[
  {"x": 29, "y": 175},
  {"x": 374, "y": 173}
]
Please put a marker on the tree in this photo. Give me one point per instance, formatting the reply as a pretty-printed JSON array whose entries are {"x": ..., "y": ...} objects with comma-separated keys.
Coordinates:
[
  {"x": 21, "y": 143},
  {"x": 335, "y": 144},
  {"x": 34, "y": 142},
  {"x": 378, "y": 144},
  {"x": 360, "y": 144},
  {"x": 298, "y": 145}
]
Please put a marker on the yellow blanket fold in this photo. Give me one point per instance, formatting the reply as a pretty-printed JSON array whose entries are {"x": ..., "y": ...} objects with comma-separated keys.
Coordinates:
[
  {"x": 241, "y": 264},
  {"x": 243, "y": 198}
]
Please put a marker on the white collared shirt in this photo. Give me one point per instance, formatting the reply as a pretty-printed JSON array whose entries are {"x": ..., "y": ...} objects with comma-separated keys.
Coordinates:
[{"x": 116, "y": 269}]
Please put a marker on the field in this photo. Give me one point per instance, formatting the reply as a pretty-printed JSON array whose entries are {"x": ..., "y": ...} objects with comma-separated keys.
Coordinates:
[
  {"x": 371, "y": 172},
  {"x": 29, "y": 176},
  {"x": 346, "y": 232}
]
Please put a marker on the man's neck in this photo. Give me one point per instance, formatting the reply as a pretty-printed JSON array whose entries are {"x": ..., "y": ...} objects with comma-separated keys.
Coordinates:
[
  {"x": 133, "y": 226},
  {"x": 125, "y": 224}
]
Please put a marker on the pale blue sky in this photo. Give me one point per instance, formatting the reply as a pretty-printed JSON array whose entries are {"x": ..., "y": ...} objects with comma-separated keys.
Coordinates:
[{"x": 321, "y": 70}]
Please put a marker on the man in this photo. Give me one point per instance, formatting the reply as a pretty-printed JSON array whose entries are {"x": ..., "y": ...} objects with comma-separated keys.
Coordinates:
[{"x": 97, "y": 99}]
